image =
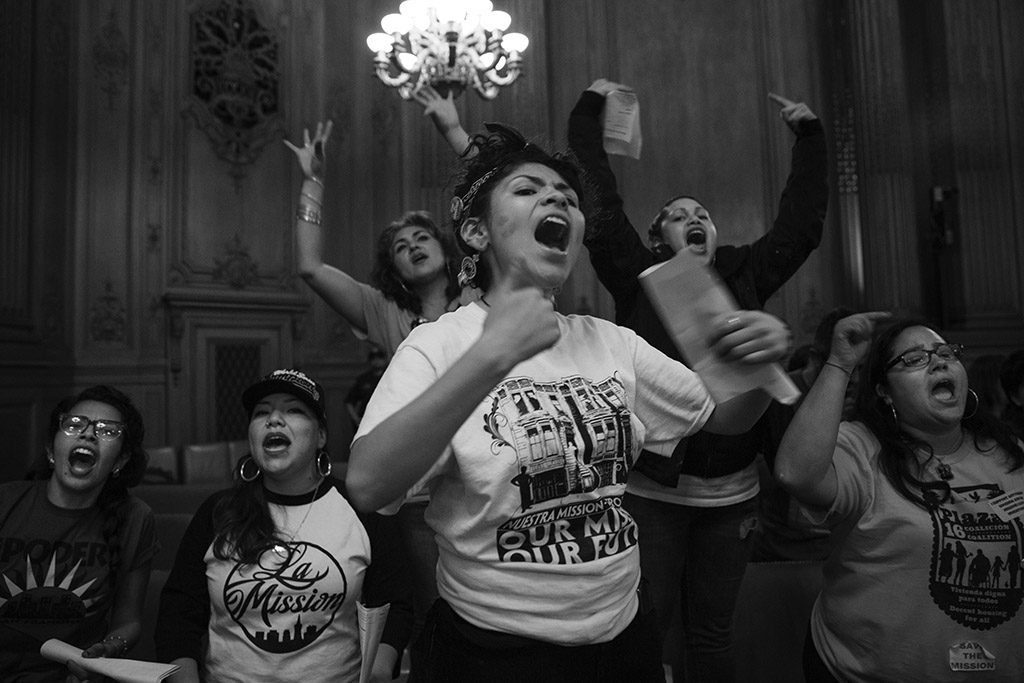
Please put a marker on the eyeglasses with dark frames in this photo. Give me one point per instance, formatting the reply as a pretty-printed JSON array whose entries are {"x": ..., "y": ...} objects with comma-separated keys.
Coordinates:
[
  {"x": 919, "y": 358},
  {"x": 75, "y": 425}
]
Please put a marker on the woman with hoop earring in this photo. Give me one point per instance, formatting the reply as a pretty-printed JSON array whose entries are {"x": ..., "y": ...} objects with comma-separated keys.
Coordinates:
[
  {"x": 266, "y": 580},
  {"x": 920, "y": 472}
]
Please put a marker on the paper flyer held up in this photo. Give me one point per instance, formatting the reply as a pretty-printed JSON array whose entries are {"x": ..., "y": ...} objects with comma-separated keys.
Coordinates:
[
  {"x": 687, "y": 296},
  {"x": 621, "y": 123}
]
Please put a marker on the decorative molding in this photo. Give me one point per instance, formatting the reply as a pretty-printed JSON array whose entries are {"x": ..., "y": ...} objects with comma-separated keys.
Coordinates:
[
  {"x": 107, "y": 317},
  {"x": 154, "y": 236},
  {"x": 234, "y": 93},
  {"x": 237, "y": 268},
  {"x": 110, "y": 59}
]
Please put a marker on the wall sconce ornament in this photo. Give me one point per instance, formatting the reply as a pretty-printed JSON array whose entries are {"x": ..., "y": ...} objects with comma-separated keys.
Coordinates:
[
  {"x": 448, "y": 44},
  {"x": 235, "y": 74}
]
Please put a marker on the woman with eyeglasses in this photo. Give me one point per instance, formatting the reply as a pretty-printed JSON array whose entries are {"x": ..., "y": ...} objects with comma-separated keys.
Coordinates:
[
  {"x": 75, "y": 545},
  {"x": 919, "y": 473},
  {"x": 267, "y": 577}
]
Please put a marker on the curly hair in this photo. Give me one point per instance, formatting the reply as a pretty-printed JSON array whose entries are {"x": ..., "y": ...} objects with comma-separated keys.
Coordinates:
[
  {"x": 662, "y": 251},
  {"x": 113, "y": 498},
  {"x": 492, "y": 157},
  {"x": 897, "y": 459},
  {"x": 385, "y": 274}
]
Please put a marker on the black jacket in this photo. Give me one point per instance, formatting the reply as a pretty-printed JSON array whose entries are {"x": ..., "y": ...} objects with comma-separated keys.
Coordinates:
[{"x": 752, "y": 272}]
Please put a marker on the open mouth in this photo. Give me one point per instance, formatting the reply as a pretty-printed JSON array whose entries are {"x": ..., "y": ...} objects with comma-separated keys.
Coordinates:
[
  {"x": 276, "y": 443},
  {"x": 553, "y": 232},
  {"x": 81, "y": 460},
  {"x": 944, "y": 390},
  {"x": 696, "y": 237},
  {"x": 418, "y": 258}
]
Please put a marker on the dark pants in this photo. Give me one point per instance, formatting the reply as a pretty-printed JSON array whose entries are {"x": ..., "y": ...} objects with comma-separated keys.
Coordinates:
[
  {"x": 695, "y": 558},
  {"x": 815, "y": 670},
  {"x": 421, "y": 549},
  {"x": 455, "y": 651}
]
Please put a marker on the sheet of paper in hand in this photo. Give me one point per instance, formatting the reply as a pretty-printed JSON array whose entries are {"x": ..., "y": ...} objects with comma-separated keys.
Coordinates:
[
  {"x": 622, "y": 124},
  {"x": 124, "y": 670},
  {"x": 687, "y": 296}
]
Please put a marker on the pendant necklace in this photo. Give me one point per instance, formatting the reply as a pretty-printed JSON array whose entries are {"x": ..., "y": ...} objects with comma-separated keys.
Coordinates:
[
  {"x": 284, "y": 551},
  {"x": 944, "y": 470}
]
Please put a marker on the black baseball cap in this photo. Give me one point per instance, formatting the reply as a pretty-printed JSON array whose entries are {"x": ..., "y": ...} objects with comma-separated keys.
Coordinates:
[{"x": 292, "y": 382}]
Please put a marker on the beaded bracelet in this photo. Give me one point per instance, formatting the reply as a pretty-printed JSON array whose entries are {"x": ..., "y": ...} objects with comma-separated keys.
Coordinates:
[
  {"x": 309, "y": 215},
  {"x": 837, "y": 365},
  {"x": 123, "y": 644}
]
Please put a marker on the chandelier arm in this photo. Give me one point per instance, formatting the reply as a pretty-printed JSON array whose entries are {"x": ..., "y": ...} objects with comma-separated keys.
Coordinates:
[
  {"x": 384, "y": 74},
  {"x": 512, "y": 72}
]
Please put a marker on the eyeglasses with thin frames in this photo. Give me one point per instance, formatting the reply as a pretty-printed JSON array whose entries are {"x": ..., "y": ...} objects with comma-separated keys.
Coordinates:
[
  {"x": 74, "y": 425},
  {"x": 919, "y": 358}
]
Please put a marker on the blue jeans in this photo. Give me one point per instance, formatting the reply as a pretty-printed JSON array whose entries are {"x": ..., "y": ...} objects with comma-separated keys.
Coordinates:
[{"x": 695, "y": 558}]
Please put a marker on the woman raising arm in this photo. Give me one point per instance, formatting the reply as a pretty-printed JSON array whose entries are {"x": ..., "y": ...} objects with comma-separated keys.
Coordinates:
[{"x": 514, "y": 414}]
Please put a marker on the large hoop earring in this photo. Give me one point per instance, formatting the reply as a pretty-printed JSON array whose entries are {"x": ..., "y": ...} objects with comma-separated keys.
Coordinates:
[
  {"x": 323, "y": 463},
  {"x": 972, "y": 394},
  {"x": 467, "y": 271},
  {"x": 242, "y": 467}
]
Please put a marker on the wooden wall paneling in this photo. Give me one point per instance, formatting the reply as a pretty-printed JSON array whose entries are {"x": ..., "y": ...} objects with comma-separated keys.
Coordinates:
[
  {"x": 18, "y": 98},
  {"x": 581, "y": 49},
  {"x": 103, "y": 304},
  {"x": 980, "y": 109},
  {"x": 1011, "y": 25},
  {"x": 884, "y": 161},
  {"x": 790, "y": 44},
  {"x": 336, "y": 85},
  {"x": 235, "y": 212},
  {"x": 157, "y": 121},
  {"x": 37, "y": 47}
]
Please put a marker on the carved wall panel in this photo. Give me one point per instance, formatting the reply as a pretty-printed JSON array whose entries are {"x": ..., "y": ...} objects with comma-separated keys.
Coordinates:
[{"x": 984, "y": 79}]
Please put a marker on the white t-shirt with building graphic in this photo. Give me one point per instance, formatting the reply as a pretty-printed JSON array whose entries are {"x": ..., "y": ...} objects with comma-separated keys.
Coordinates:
[{"x": 526, "y": 501}]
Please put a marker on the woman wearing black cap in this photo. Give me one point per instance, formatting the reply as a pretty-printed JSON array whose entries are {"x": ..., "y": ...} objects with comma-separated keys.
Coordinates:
[{"x": 269, "y": 572}]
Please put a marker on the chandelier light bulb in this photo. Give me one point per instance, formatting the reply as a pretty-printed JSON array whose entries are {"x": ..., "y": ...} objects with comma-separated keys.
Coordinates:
[
  {"x": 496, "y": 21},
  {"x": 407, "y": 62},
  {"x": 515, "y": 42},
  {"x": 451, "y": 11},
  {"x": 395, "y": 23},
  {"x": 379, "y": 42}
]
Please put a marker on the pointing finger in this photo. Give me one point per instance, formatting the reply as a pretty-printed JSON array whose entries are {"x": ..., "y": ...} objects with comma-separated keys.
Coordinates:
[{"x": 780, "y": 100}]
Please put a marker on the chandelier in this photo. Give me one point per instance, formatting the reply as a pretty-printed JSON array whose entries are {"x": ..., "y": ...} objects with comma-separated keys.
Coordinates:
[{"x": 448, "y": 44}]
